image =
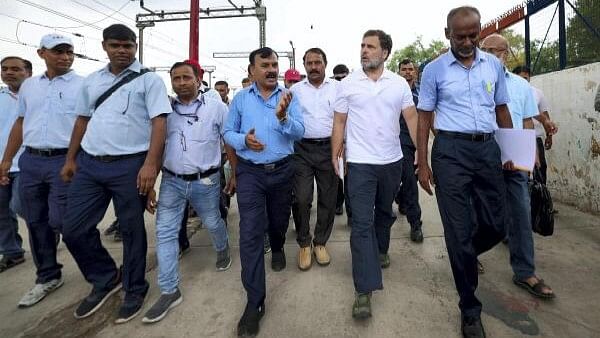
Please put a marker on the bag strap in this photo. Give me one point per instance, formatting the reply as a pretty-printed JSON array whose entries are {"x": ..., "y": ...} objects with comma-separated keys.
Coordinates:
[{"x": 130, "y": 77}]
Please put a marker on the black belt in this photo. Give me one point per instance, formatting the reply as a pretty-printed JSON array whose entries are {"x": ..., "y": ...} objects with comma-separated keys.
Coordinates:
[
  {"x": 112, "y": 158},
  {"x": 266, "y": 166},
  {"x": 324, "y": 140},
  {"x": 476, "y": 137},
  {"x": 192, "y": 177},
  {"x": 47, "y": 152}
]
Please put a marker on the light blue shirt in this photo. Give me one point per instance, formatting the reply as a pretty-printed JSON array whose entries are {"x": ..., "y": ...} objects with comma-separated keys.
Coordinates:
[
  {"x": 48, "y": 110},
  {"x": 122, "y": 124},
  {"x": 194, "y": 133},
  {"x": 522, "y": 103},
  {"x": 464, "y": 99},
  {"x": 8, "y": 116},
  {"x": 249, "y": 110}
]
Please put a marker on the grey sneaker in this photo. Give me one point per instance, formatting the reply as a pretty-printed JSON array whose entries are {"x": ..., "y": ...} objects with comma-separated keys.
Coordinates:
[
  {"x": 223, "y": 259},
  {"x": 362, "y": 306},
  {"x": 39, "y": 291},
  {"x": 159, "y": 310}
]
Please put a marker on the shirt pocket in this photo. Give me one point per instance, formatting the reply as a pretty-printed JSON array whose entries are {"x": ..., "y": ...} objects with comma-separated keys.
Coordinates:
[
  {"x": 118, "y": 102},
  {"x": 487, "y": 93},
  {"x": 202, "y": 131}
]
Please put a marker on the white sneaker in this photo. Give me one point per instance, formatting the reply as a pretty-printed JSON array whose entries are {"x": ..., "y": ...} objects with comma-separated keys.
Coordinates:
[{"x": 39, "y": 291}]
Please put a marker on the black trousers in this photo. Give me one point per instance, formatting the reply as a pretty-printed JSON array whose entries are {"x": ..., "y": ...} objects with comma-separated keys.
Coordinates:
[
  {"x": 408, "y": 194},
  {"x": 264, "y": 200},
  {"x": 313, "y": 161},
  {"x": 463, "y": 171}
]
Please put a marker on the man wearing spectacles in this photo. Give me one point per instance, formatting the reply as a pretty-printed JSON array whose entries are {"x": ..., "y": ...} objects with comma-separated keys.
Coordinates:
[{"x": 190, "y": 174}]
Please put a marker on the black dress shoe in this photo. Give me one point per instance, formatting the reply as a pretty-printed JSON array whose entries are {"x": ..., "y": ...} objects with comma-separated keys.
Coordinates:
[
  {"x": 339, "y": 210},
  {"x": 472, "y": 327},
  {"x": 278, "y": 260},
  {"x": 248, "y": 324},
  {"x": 416, "y": 234}
]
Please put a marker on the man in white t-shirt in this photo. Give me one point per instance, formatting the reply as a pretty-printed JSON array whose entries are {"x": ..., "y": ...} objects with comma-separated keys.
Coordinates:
[{"x": 367, "y": 110}]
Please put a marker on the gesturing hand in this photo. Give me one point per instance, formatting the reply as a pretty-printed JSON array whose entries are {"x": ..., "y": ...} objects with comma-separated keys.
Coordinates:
[
  {"x": 252, "y": 143},
  {"x": 282, "y": 106}
]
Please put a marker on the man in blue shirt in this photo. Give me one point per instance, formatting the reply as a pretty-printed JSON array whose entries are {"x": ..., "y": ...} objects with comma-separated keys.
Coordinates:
[
  {"x": 121, "y": 141},
  {"x": 14, "y": 71},
  {"x": 46, "y": 109},
  {"x": 408, "y": 195},
  {"x": 467, "y": 89},
  {"x": 263, "y": 123},
  {"x": 523, "y": 109},
  {"x": 190, "y": 174}
]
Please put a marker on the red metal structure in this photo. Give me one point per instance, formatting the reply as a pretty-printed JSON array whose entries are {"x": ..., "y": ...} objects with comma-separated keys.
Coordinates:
[
  {"x": 509, "y": 18},
  {"x": 194, "y": 29}
]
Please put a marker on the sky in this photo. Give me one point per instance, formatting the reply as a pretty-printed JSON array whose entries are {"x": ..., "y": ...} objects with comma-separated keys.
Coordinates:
[{"x": 336, "y": 26}]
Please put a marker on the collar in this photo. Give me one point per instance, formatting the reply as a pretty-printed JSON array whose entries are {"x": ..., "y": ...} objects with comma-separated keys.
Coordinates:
[
  {"x": 450, "y": 58},
  {"x": 325, "y": 81},
  {"x": 198, "y": 99},
  {"x": 66, "y": 76},
  {"x": 254, "y": 89},
  {"x": 7, "y": 91},
  {"x": 362, "y": 75},
  {"x": 135, "y": 66}
]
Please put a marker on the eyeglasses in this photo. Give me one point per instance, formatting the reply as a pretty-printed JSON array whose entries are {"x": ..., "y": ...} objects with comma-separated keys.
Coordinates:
[
  {"x": 493, "y": 50},
  {"x": 182, "y": 141}
]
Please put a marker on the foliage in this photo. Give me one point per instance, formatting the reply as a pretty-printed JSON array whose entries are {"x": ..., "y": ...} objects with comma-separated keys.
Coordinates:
[{"x": 417, "y": 52}]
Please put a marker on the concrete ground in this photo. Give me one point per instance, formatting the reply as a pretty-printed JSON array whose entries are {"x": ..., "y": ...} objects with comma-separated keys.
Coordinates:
[{"x": 419, "y": 298}]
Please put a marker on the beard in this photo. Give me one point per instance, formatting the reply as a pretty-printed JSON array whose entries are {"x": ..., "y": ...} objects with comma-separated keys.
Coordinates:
[{"x": 372, "y": 64}]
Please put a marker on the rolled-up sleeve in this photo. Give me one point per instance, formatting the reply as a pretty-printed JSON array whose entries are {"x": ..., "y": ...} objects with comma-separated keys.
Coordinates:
[
  {"x": 294, "y": 126},
  {"x": 232, "y": 134},
  {"x": 501, "y": 94},
  {"x": 83, "y": 106},
  {"x": 428, "y": 90}
]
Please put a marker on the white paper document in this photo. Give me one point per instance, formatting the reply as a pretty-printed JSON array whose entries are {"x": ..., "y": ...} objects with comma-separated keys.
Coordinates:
[
  {"x": 518, "y": 146},
  {"x": 341, "y": 167}
]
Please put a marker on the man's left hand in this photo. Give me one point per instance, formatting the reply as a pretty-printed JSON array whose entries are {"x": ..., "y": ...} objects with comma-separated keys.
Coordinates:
[
  {"x": 230, "y": 186},
  {"x": 146, "y": 179}
]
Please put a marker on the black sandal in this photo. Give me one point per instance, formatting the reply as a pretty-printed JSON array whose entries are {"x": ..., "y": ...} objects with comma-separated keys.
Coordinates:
[{"x": 535, "y": 289}]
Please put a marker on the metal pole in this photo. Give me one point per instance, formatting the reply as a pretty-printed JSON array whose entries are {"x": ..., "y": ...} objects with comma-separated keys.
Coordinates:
[
  {"x": 141, "y": 46},
  {"x": 527, "y": 42},
  {"x": 194, "y": 31},
  {"x": 293, "y": 59},
  {"x": 562, "y": 35}
]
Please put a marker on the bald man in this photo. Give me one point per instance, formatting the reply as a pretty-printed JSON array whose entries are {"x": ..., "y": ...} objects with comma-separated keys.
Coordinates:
[{"x": 523, "y": 109}]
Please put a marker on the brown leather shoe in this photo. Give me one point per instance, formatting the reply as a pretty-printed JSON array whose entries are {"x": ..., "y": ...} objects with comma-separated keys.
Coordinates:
[
  {"x": 321, "y": 255},
  {"x": 304, "y": 258}
]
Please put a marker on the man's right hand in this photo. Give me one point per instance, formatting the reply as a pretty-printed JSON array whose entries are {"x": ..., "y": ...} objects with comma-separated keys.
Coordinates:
[
  {"x": 68, "y": 170},
  {"x": 252, "y": 143},
  {"x": 425, "y": 177},
  {"x": 4, "y": 168}
]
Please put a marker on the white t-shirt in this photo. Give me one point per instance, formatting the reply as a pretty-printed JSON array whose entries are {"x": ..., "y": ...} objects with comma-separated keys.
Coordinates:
[
  {"x": 373, "y": 122},
  {"x": 543, "y": 106},
  {"x": 317, "y": 104}
]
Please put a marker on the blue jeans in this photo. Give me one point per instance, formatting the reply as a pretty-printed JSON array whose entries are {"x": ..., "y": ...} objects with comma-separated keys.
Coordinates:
[
  {"x": 11, "y": 244},
  {"x": 204, "y": 196},
  {"x": 518, "y": 219},
  {"x": 371, "y": 192}
]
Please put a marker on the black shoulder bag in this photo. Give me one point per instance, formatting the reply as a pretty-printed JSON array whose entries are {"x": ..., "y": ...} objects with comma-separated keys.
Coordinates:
[{"x": 130, "y": 77}]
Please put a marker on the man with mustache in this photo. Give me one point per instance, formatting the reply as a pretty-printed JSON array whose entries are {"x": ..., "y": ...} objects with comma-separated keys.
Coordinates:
[
  {"x": 46, "y": 109},
  {"x": 14, "y": 71},
  {"x": 367, "y": 112},
  {"x": 467, "y": 89},
  {"x": 312, "y": 156},
  {"x": 263, "y": 123}
]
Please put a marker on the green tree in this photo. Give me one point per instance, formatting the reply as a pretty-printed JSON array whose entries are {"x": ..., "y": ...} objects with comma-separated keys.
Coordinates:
[
  {"x": 417, "y": 52},
  {"x": 583, "y": 46},
  {"x": 516, "y": 42}
]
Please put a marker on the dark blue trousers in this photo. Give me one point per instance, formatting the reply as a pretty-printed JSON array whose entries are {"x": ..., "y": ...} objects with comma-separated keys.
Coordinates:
[
  {"x": 465, "y": 171},
  {"x": 264, "y": 200},
  {"x": 43, "y": 199},
  {"x": 371, "y": 192},
  {"x": 408, "y": 194},
  {"x": 11, "y": 243},
  {"x": 91, "y": 190}
]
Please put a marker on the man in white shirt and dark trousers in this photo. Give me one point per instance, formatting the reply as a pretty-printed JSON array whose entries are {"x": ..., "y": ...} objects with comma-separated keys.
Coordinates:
[
  {"x": 312, "y": 160},
  {"x": 367, "y": 110}
]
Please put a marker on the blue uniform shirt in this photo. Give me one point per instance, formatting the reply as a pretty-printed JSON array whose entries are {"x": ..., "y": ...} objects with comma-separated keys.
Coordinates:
[
  {"x": 249, "y": 110},
  {"x": 522, "y": 103},
  {"x": 464, "y": 99},
  {"x": 48, "y": 110},
  {"x": 121, "y": 125},
  {"x": 8, "y": 116},
  {"x": 194, "y": 133}
]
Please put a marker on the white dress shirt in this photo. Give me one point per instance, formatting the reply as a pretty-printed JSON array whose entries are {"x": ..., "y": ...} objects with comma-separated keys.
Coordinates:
[
  {"x": 317, "y": 104},
  {"x": 373, "y": 122}
]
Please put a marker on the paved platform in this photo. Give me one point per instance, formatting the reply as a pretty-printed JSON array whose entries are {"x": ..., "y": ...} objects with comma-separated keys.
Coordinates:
[{"x": 418, "y": 300}]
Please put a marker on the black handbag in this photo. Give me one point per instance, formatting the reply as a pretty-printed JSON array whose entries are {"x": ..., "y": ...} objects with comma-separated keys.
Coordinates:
[{"x": 542, "y": 209}]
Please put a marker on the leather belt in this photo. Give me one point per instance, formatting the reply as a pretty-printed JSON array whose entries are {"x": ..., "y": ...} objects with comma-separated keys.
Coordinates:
[
  {"x": 192, "y": 177},
  {"x": 113, "y": 158},
  {"x": 266, "y": 166},
  {"x": 476, "y": 137},
  {"x": 47, "y": 152},
  {"x": 324, "y": 140}
]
